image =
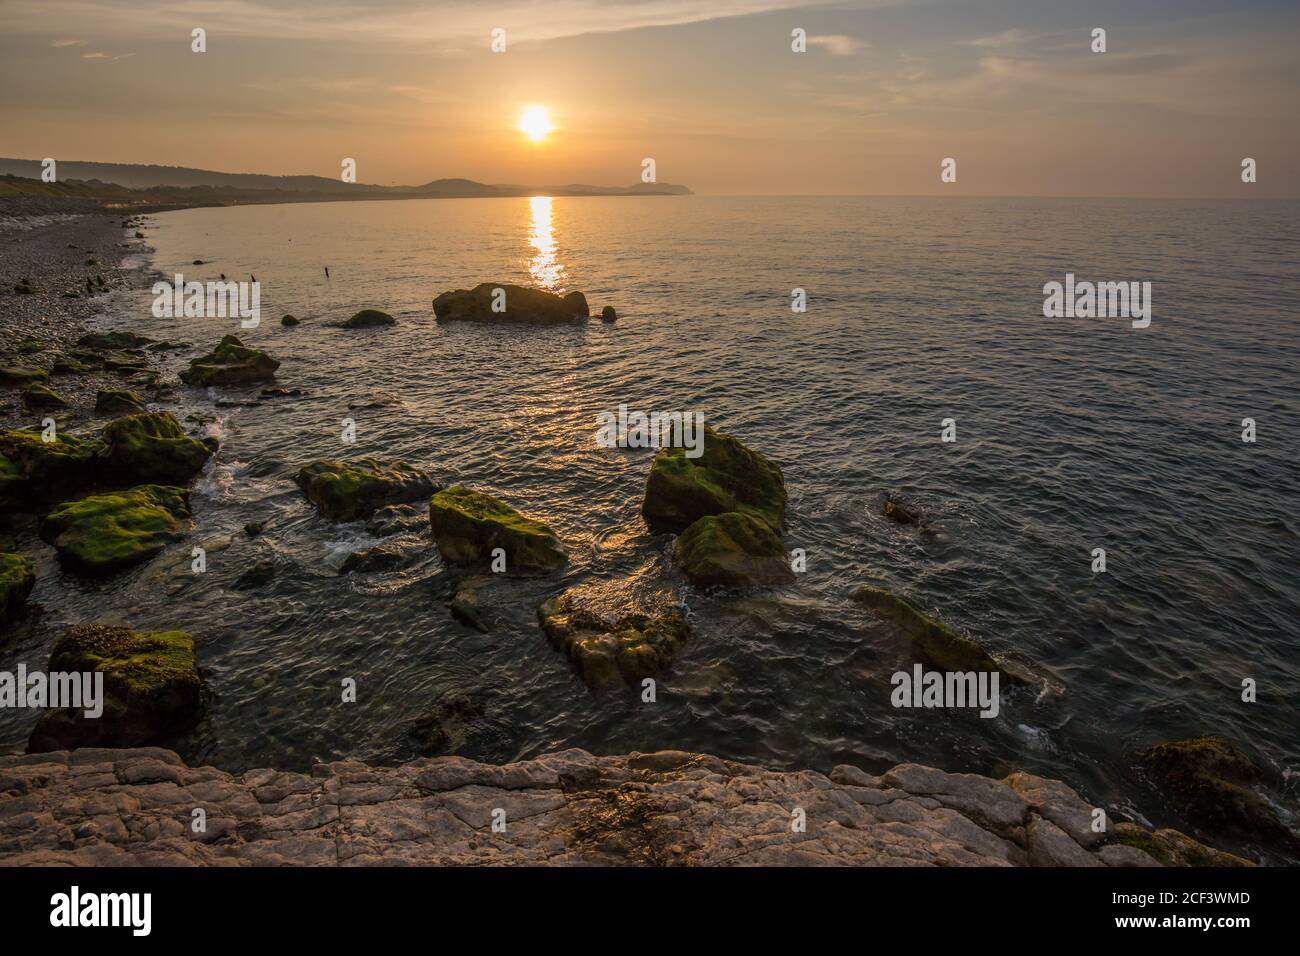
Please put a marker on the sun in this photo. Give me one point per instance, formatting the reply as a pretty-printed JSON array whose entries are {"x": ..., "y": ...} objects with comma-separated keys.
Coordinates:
[{"x": 536, "y": 123}]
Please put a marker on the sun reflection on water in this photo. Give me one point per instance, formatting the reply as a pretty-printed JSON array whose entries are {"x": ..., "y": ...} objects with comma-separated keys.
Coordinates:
[{"x": 544, "y": 266}]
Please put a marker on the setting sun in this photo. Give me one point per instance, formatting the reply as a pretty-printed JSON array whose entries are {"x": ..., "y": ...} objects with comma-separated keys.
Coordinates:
[{"x": 536, "y": 123}]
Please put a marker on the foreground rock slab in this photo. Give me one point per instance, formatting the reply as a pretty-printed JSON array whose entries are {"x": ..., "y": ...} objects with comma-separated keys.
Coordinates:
[{"x": 95, "y": 807}]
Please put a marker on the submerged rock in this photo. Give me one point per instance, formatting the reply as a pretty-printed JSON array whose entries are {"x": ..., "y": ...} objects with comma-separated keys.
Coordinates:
[
  {"x": 105, "y": 533},
  {"x": 382, "y": 557},
  {"x": 444, "y": 728},
  {"x": 369, "y": 319},
  {"x": 397, "y": 519},
  {"x": 346, "y": 491},
  {"x": 469, "y": 525},
  {"x": 152, "y": 449},
  {"x": 32, "y": 469},
  {"x": 900, "y": 511},
  {"x": 727, "y": 476},
  {"x": 1211, "y": 782},
  {"x": 17, "y": 578},
  {"x": 256, "y": 575},
  {"x": 521, "y": 304},
  {"x": 152, "y": 688},
  {"x": 230, "y": 363},
  {"x": 37, "y": 395},
  {"x": 464, "y": 603},
  {"x": 627, "y": 648},
  {"x": 732, "y": 550},
  {"x": 936, "y": 643},
  {"x": 118, "y": 401}
]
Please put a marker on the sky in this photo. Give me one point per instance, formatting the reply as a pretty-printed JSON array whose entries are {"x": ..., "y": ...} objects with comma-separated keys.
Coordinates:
[{"x": 712, "y": 91}]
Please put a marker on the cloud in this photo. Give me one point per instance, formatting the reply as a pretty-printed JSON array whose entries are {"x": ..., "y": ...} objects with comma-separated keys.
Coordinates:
[
  {"x": 94, "y": 56},
  {"x": 1005, "y": 38},
  {"x": 837, "y": 44},
  {"x": 62, "y": 43}
]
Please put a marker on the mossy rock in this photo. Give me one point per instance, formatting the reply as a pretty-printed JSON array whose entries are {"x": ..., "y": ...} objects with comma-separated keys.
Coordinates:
[
  {"x": 1172, "y": 847},
  {"x": 32, "y": 469},
  {"x": 17, "y": 578},
  {"x": 152, "y": 688},
  {"x": 935, "y": 643},
  {"x": 22, "y": 375},
  {"x": 1210, "y": 782},
  {"x": 102, "y": 534},
  {"x": 37, "y": 395},
  {"x": 727, "y": 476},
  {"x": 369, "y": 319},
  {"x": 230, "y": 363},
  {"x": 732, "y": 550},
  {"x": 522, "y": 305},
  {"x": 113, "y": 340},
  {"x": 152, "y": 448},
  {"x": 347, "y": 491},
  {"x": 605, "y": 652},
  {"x": 64, "y": 365},
  {"x": 124, "y": 363},
  {"x": 469, "y": 525},
  {"x": 118, "y": 401}
]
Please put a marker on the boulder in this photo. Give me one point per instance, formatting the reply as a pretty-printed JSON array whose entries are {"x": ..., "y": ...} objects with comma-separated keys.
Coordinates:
[
  {"x": 17, "y": 578},
  {"x": 469, "y": 525},
  {"x": 608, "y": 314},
  {"x": 727, "y": 476},
  {"x": 118, "y": 401},
  {"x": 22, "y": 375},
  {"x": 37, "y": 395},
  {"x": 32, "y": 469},
  {"x": 732, "y": 550},
  {"x": 230, "y": 363},
  {"x": 346, "y": 491},
  {"x": 369, "y": 319},
  {"x": 935, "y": 643},
  {"x": 1211, "y": 782},
  {"x": 606, "y": 651},
  {"x": 152, "y": 449},
  {"x": 1172, "y": 847},
  {"x": 522, "y": 304},
  {"x": 64, "y": 365},
  {"x": 152, "y": 688},
  {"x": 105, "y": 533},
  {"x": 288, "y": 320},
  {"x": 113, "y": 340}
]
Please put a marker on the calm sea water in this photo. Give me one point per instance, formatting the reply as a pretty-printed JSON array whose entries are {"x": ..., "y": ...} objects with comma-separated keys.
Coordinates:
[{"x": 1072, "y": 434}]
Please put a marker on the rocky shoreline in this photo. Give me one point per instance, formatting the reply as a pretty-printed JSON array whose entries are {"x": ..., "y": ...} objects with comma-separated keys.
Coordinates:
[{"x": 93, "y": 807}]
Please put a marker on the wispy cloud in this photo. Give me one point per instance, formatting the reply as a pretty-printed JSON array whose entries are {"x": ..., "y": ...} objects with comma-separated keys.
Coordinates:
[
  {"x": 62, "y": 43},
  {"x": 837, "y": 44}
]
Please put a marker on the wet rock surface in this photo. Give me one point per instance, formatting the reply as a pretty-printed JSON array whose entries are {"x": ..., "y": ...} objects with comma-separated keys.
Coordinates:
[{"x": 115, "y": 807}]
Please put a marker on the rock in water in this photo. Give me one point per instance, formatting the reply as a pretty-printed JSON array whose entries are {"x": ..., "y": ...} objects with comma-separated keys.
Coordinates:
[
  {"x": 346, "y": 491},
  {"x": 1210, "y": 782},
  {"x": 152, "y": 688},
  {"x": 935, "y": 643},
  {"x": 37, "y": 395},
  {"x": 469, "y": 526},
  {"x": 32, "y": 469},
  {"x": 628, "y": 648},
  {"x": 152, "y": 449},
  {"x": 608, "y": 314},
  {"x": 382, "y": 557},
  {"x": 369, "y": 319},
  {"x": 118, "y": 401},
  {"x": 732, "y": 550},
  {"x": 464, "y": 603},
  {"x": 900, "y": 511},
  {"x": 521, "y": 304},
  {"x": 727, "y": 476},
  {"x": 230, "y": 363},
  {"x": 17, "y": 578},
  {"x": 105, "y": 533},
  {"x": 113, "y": 340},
  {"x": 288, "y": 320}
]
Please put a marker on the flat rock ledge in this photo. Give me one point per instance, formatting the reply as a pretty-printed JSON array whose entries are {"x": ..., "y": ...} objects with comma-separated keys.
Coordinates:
[{"x": 93, "y": 807}]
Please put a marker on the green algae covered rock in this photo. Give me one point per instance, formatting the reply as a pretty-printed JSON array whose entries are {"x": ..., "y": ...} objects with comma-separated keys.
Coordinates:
[
  {"x": 230, "y": 363},
  {"x": 1211, "y": 783},
  {"x": 64, "y": 365},
  {"x": 152, "y": 688},
  {"x": 113, "y": 341},
  {"x": 1173, "y": 848},
  {"x": 368, "y": 319},
  {"x": 519, "y": 303},
  {"x": 17, "y": 578},
  {"x": 469, "y": 526},
  {"x": 22, "y": 375},
  {"x": 118, "y": 401},
  {"x": 936, "y": 643},
  {"x": 732, "y": 550},
  {"x": 727, "y": 476},
  {"x": 627, "y": 649},
  {"x": 33, "y": 470},
  {"x": 37, "y": 395},
  {"x": 105, "y": 533},
  {"x": 152, "y": 449},
  {"x": 347, "y": 491}
]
